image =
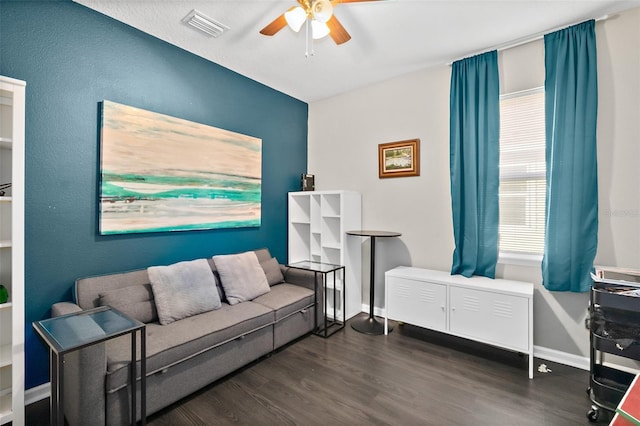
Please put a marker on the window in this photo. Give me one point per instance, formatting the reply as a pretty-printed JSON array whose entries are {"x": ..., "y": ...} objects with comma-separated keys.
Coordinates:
[{"x": 522, "y": 173}]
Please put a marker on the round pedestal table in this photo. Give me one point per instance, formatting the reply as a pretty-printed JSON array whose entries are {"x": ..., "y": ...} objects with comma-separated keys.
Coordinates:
[{"x": 370, "y": 325}]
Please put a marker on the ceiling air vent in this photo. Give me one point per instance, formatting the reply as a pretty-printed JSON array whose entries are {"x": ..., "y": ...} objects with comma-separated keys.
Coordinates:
[{"x": 205, "y": 24}]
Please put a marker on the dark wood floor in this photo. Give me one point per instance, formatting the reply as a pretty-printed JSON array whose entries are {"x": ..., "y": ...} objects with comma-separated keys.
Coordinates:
[{"x": 410, "y": 377}]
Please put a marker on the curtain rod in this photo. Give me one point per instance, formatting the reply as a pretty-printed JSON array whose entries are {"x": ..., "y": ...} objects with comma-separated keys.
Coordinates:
[{"x": 524, "y": 40}]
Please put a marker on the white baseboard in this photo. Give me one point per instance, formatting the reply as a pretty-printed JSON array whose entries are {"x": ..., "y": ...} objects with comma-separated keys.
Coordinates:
[
  {"x": 36, "y": 394},
  {"x": 554, "y": 355},
  {"x": 379, "y": 312},
  {"x": 581, "y": 362},
  {"x": 560, "y": 357}
]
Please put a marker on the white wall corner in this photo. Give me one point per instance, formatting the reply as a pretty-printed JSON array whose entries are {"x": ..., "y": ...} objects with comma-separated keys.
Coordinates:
[{"x": 379, "y": 312}]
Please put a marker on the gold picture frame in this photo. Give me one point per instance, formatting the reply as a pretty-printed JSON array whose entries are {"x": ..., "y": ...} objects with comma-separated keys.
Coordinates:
[{"x": 399, "y": 159}]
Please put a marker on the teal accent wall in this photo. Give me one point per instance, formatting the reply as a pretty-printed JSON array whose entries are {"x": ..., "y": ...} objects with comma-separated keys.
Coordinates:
[{"x": 72, "y": 58}]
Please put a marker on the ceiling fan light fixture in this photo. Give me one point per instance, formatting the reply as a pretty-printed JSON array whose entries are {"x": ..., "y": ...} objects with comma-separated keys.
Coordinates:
[
  {"x": 322, "y": 10},
  {"x": 295, "y": 18},
  {"x": 319, "y": 29}
]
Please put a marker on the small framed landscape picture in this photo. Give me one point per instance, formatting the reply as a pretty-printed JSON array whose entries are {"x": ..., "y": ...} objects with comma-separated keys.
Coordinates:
[{"x": 399, "y": 159}]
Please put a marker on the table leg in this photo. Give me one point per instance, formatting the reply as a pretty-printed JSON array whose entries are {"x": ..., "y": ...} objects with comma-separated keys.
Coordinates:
[
  {"x": 324, "y": 310},
  {"x": 372, "y": 277},
  {"x": 53, "y": 379},
  {"x": 370, "y": 325},
  {"x": 344, "y": 296},
  {"x": 60, "y": 391},
  {"x": 143, "y": 376},
  {"x": 335, "y": 305},
  {"x": 315, "y": 301},
  {"x": 132, "y": 376}
]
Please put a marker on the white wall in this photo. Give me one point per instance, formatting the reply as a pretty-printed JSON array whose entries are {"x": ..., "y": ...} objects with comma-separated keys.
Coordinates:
[
  {"x": 344, "y": 133},
  {"x": 619, "y": 140}
]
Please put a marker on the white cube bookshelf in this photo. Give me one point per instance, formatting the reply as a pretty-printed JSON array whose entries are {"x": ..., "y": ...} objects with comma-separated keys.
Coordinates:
[
  {"x": 318, "y": 222},
  {"x": 12, "y": 122}
]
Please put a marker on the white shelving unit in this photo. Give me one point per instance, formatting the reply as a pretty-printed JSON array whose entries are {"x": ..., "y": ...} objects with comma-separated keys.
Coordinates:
[
  {"x": 12, "y": 110},
  {"x": 318, "y": 222}
]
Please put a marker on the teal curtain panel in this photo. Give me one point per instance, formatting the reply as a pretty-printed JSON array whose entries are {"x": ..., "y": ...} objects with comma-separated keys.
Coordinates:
[
  {"x": 571, "y": 109},
  {"x": 474, "y": 168}
]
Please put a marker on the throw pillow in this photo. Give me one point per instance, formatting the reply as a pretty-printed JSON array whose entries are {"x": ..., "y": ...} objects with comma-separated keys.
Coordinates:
[
  {"x": 183, "y": 289},
  {"x": 135, "y": 301},
  {"x": 241, "y": 276},
  {"x": 272, "y": 270}
]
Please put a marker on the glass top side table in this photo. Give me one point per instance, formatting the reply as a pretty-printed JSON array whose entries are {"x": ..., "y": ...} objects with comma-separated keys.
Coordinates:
[
  {"x": 71, "y": 332},
  {"x": 328, "y": 327}
]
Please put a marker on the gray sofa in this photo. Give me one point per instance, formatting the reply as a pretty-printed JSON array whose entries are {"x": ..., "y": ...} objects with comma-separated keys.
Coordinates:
[{"x": 185, "y": 355}]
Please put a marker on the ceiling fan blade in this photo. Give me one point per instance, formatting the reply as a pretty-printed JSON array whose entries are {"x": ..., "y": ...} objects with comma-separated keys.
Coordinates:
[
  {"x": 337, "y": 33},
  {"x": 275, "y": 26}
]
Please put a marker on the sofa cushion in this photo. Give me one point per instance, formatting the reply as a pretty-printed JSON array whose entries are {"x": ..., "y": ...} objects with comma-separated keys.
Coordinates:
[
  {"x": 87, "y": 290},
  {"x": 263, "y": 254},
  {"x": 135, "y": 301},
  {"x": 286, "y": 299},
  {"x": 271, "y": 269},
  {"x": 181, "y": 340},
  {"x": 183, "y": 289},
  {"x": 241, "y": 276}
]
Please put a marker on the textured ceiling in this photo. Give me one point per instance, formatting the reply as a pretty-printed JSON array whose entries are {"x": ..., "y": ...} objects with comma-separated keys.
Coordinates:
[{"x": 389, "y": 37}]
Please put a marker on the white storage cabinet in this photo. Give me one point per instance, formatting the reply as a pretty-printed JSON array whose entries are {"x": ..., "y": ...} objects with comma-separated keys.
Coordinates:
[
  {"x": 12, "y": 107},
  {"x": 318, "y": 222},
  {"x": 493, "y": 311}
]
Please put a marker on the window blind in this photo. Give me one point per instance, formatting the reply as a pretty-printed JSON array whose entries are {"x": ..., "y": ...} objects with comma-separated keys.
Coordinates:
[{"x": 522, "y": 172}]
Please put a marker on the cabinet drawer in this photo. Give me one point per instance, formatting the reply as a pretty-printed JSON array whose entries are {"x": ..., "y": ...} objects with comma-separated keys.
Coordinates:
[
  {"x": 607, "y": 299},
  {"x": 490, "y": 317},
  {"x": 604, "y": 344},
  {"x": 417, "y": 302}
]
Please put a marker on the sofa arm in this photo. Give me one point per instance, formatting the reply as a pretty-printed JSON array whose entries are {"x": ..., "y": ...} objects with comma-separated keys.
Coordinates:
[
  {"x": 301, "y": 277},
  {"x": 84, "y": 378},
  {"x": 63, "y": 308}
]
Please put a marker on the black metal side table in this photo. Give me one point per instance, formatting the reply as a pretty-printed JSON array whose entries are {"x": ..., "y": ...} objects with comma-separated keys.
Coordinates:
[
  {"x": 329, "y": 326},
  {"x": 369, "y": 324},
  {"x": 72, "y": 332}
]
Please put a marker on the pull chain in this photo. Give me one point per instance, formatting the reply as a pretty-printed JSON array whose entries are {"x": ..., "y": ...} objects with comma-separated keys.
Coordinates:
[{"x": 309, "y": 40}]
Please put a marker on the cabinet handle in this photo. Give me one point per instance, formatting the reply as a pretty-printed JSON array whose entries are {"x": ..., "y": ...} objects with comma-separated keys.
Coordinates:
[
  {"x": 442, "y": 307},
  {"x": 453, "y": 309}
]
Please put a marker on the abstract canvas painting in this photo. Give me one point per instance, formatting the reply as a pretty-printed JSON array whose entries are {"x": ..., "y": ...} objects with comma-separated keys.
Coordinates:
[{"x": 161, "y": 173}]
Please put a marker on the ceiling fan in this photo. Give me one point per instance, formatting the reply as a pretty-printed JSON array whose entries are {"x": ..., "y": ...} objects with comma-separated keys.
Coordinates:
[{"x": 318, "y": 14}]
